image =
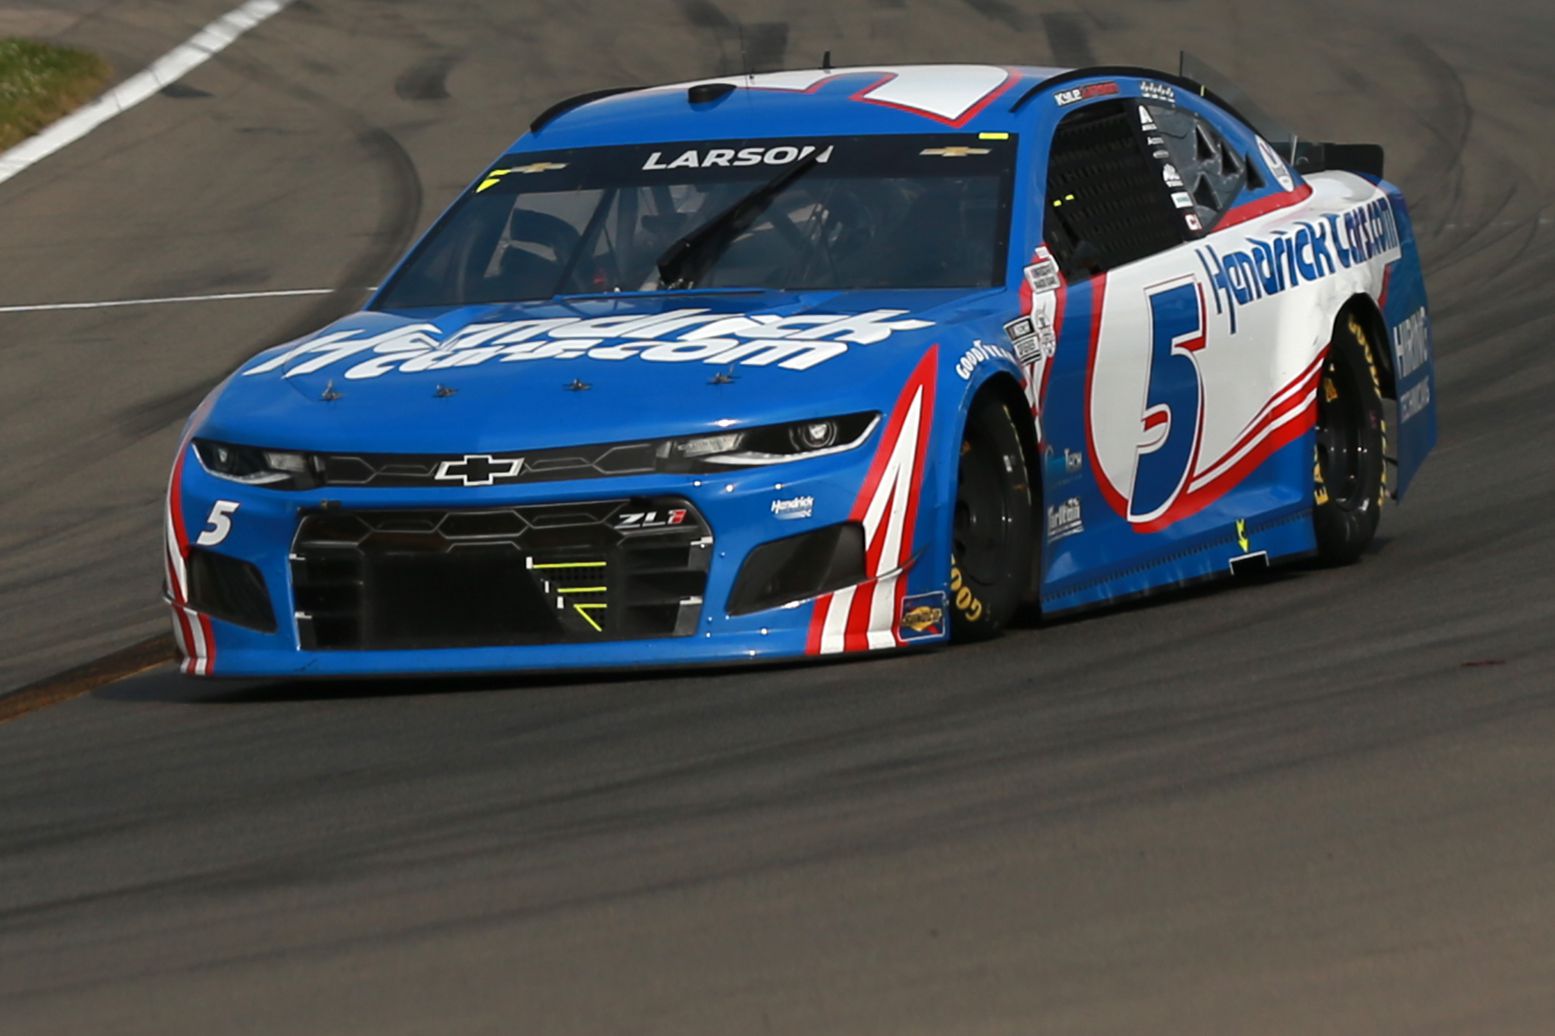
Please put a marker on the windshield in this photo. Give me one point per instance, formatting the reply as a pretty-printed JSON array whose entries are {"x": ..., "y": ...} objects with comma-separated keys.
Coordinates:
[{"x": 926, "y": 211}]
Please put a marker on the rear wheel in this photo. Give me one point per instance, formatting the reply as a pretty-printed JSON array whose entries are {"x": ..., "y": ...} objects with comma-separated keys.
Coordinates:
[
  {"x": 993, "y": 530},
  {"x": 1350, "y": 478}
]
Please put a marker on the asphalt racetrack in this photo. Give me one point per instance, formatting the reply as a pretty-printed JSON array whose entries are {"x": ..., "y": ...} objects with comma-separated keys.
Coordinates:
[{"x": 1322, "y": 803}]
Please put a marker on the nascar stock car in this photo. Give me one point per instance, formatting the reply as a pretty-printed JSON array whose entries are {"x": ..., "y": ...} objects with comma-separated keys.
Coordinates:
[{"x": 813, "y": 362}]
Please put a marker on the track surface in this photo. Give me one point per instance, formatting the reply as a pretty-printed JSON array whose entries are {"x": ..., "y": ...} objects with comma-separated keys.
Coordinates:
[{"x": 1318, "y": 804}]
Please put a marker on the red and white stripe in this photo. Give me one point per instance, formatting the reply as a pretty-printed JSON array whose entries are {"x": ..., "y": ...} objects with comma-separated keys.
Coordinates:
[
  {"x": 1289, "y": 404},
  {"x": 1283, "y": 420},
  {"x": 864, "y": 617},
  {"x": 192, "y": 631},
  {"x": 1251, "y": 210}
]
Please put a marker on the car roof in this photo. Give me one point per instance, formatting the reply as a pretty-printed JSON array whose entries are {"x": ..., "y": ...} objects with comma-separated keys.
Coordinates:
[{"x": 797, "y": 103}]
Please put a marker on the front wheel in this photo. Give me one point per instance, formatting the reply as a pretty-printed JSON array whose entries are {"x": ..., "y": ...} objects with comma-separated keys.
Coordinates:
[
  {"x": 1349, "y": 475},
  {"x": 993, "y": 531}
]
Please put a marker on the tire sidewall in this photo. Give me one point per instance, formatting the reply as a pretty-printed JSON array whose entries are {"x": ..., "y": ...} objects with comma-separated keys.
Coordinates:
[
  {"x": 980, "y": 609},
  {"x": 1343, "y": 531}
]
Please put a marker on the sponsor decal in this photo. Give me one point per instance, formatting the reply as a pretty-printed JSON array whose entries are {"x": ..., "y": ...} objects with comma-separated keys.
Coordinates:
[
  {"x": 724, "y": 157},
  {"x": 1276, "y": 165},
  {"x": 980, "y": 352},
  {"x": 794, "y": 507},
  {"x": 967, "y": 602},
  {"x": 678, "y": 336},
  {"x": 1146, "y": 121},
  {"x": 1042, "y": 274},
  {"x": 923, "y": 616},
  {"x": 478, "y": 469},
  {"x": 1152, "y": 91},
  {"x": 1414, "y": 400},
  {"x": 1172, "y": 177},
  {"x": 1192, "y": 220},
  {"x": 1064, "y": 520},
  {"x": 1182, "y": 199},
  {"x": 1061, "y": 466},
  {"x": 1085, "y": 93},
  {"x": 651, "y": 519},
  {"x": 1315, "y": 249},
  {"x": 1411, "y": 343},
  {"x": 1033, "y": 337}
]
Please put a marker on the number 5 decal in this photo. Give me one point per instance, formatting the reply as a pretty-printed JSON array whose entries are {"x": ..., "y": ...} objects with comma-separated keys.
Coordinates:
[
  {"x": 1172, "y": 422},
  {"x": 218, "y": 524},
  {"x": 951, "y": 94}
]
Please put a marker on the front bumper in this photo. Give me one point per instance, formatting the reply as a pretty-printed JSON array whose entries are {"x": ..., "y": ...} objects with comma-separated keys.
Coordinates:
[{"x": 286, "y": 537}]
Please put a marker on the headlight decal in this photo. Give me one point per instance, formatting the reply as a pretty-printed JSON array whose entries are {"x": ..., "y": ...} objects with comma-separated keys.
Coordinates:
[
  {"x": 768, "y": 444},
  {"x": 256, "y": 466}
]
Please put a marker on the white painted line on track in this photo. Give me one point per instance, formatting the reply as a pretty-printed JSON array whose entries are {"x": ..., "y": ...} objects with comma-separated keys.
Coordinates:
[
  {"x": 169, "y": 68},
  {"x": 48, "y": 307}
]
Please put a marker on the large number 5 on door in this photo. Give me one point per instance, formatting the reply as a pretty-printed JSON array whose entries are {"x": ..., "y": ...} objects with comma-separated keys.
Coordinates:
[{"x": 1172, "y": 421}]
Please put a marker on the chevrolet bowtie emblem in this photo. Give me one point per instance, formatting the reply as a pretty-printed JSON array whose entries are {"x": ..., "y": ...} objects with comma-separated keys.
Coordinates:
[
  {"x": 495, "y": 176},
  {"x": 956, "y": 151},
  {"x": 478, "y": 469}
]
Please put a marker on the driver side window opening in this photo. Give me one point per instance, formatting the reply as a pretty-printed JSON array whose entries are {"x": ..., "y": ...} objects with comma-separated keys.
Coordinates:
[{"x": 1107, "y": 203}]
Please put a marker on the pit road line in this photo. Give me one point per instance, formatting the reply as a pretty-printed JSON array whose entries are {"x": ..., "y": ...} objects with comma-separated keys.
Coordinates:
[
  {"x": 169, "y": 68},
  {"x": 50, "y": 307}
]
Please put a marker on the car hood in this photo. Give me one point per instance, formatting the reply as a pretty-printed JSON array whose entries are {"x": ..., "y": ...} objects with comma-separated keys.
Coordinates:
[{"x": 595, "y": 369}]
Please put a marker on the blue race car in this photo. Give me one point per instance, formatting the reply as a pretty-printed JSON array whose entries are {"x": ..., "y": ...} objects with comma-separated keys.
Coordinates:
[{"x": 815, "y": 362}]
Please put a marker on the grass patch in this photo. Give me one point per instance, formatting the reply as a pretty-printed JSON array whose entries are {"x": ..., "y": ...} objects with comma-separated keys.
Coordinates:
[{"x": 39, "y": 82}]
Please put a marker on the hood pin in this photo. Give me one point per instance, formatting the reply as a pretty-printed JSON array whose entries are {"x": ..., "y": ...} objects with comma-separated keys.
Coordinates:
[
  {"x": 443, "y": 392},
  {"x": 329, "y": 395},
  {"x": 577, "y": 385},
  {"x": 723, "y": 377}
]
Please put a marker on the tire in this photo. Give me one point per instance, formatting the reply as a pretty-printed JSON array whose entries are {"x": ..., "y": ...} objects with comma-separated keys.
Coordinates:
[
  {"x": 993, "y": 529},
  {"x": 1349, "y": 474}
]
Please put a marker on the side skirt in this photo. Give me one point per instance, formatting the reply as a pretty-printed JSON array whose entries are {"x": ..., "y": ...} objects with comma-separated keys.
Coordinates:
[{"x": 1282, "y": 538}]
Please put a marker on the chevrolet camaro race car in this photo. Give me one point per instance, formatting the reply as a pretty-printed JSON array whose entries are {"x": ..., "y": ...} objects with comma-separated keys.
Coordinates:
[{"x": 813, "y": 362}]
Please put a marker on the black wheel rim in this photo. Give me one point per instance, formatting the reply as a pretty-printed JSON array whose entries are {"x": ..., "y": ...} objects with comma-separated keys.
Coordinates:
[
  {"x": 1342, "y": 450},
  {"x": 982, "y": 520}
]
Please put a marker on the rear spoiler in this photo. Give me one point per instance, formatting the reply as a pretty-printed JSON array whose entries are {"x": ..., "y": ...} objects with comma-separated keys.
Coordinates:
[
  {"x": 1314, "y": 157},
  {"x": 1307, "y": 156}
]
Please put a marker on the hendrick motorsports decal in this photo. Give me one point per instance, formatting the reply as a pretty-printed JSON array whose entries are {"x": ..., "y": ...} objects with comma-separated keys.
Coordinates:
[
  {"x": 1411, "y": 351},
  {"x": 678, "y": 336},
  {"x": 1269, "y": 266}
]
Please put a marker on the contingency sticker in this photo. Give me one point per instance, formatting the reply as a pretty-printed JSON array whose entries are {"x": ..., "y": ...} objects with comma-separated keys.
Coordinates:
[{"x": 923, "y": 616}]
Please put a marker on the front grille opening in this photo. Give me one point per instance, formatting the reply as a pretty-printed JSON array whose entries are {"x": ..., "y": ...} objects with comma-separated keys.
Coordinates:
[{"x": 570, "y": 573}]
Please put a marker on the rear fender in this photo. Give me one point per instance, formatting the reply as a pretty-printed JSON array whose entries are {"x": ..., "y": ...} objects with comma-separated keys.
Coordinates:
[{"x": 1410, "y": 356}]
